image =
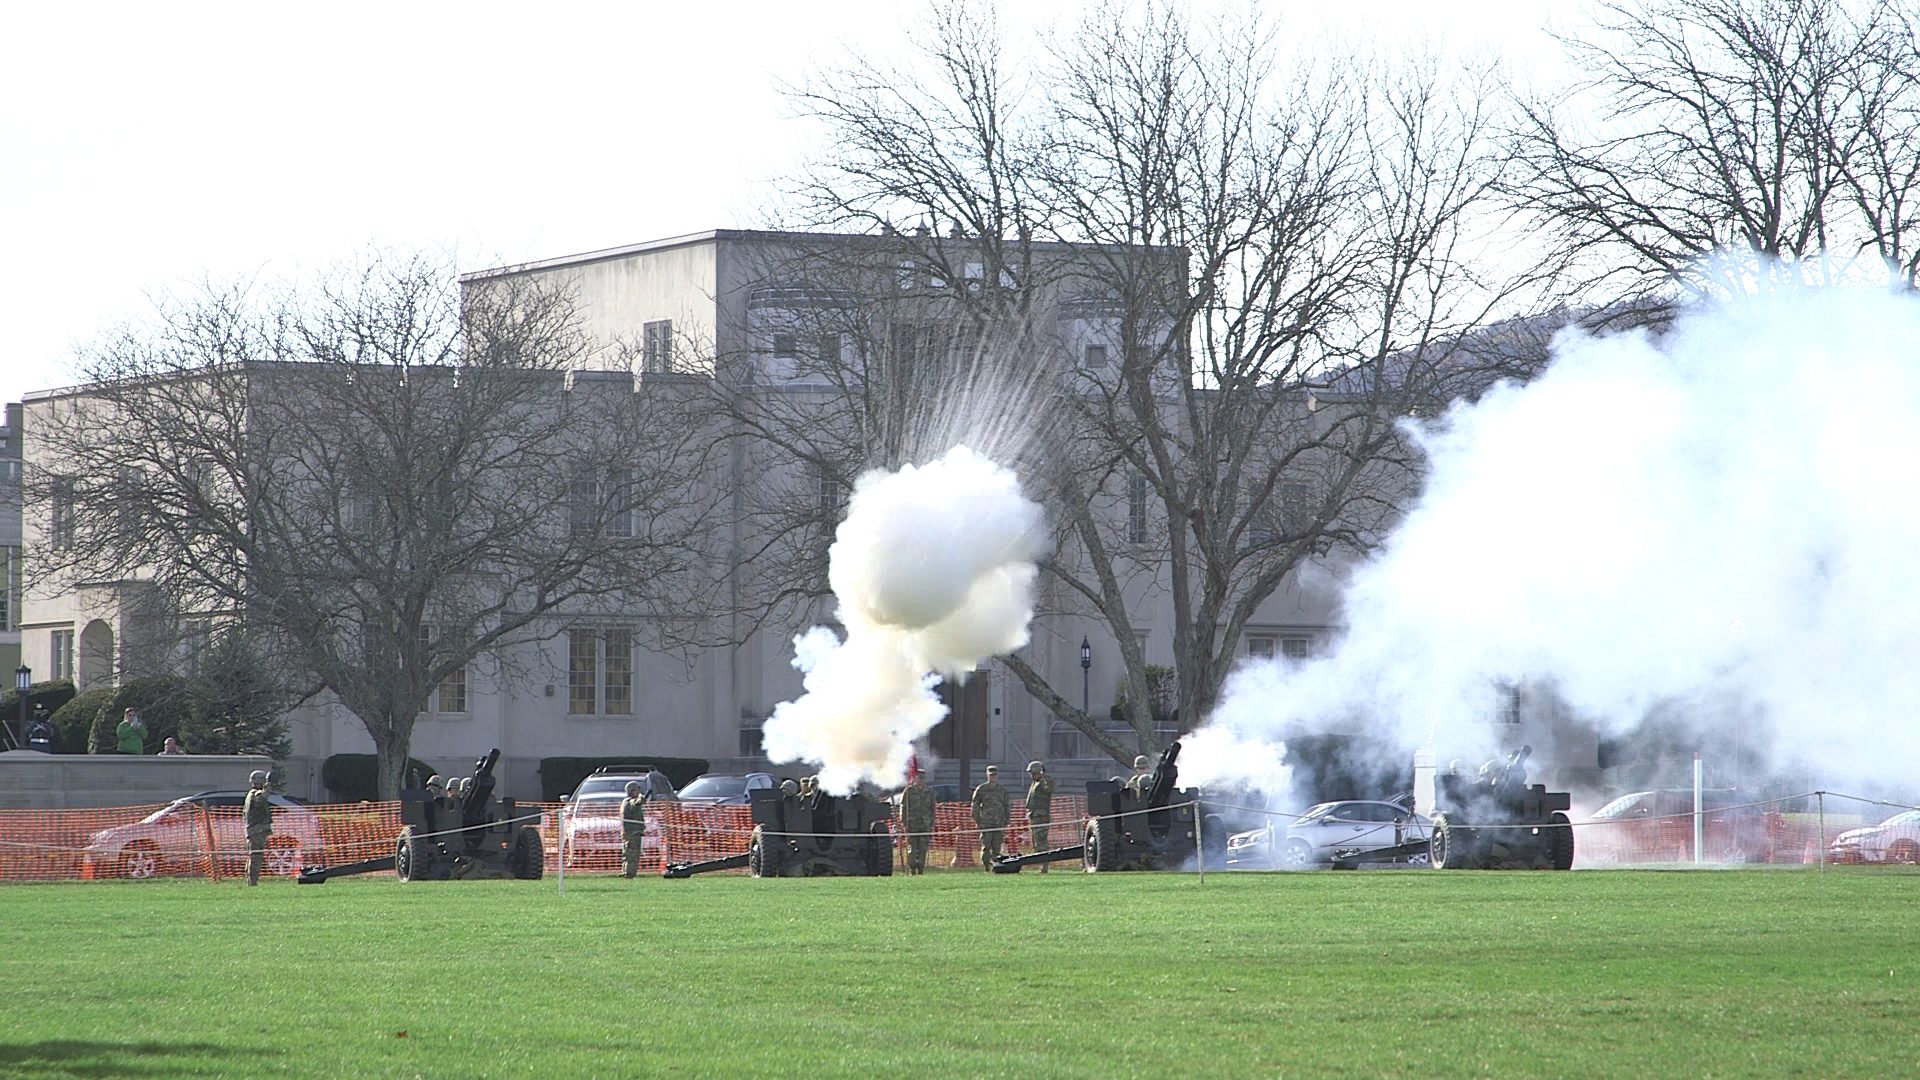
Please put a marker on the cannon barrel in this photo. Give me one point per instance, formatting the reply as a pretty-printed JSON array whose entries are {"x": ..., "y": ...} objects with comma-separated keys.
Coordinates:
[
  {"x": 473, "y": 805},
  {"x": 1165, "y": 775},
  {"x": 688, "y": 869},
  {"x": 1011, "y": 864},
  {"x": 318, "y": 875}
]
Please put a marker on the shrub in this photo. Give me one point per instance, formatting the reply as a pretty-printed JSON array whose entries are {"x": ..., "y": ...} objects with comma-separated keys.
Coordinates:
[
  {"x": 76, "y": 723},
  {"x": 560, "y": 775},
  {"x": 353, "y": 777},
  {"x": 161, "y": 700}
]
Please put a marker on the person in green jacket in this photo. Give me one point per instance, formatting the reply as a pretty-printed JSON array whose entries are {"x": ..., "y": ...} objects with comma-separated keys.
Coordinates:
[{"x": 132, "y": 733}]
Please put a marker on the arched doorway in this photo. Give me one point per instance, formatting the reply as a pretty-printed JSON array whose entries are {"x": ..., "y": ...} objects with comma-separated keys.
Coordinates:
[{"x": 94, "y": 666}]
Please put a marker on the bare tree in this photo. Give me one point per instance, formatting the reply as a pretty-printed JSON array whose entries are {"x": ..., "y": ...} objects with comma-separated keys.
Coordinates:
[
  {"x": 1229, "y": 288},
  {"x": 1785, "y": 128},
  {"x": 385, "y": 482}
]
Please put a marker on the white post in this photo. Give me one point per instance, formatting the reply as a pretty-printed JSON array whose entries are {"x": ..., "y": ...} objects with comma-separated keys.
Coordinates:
[
  {"x": 560, "y": 872},
  {"x": 1199, "y": 846},
  {"x": 1698, "y": 855},
  {"x": 1822, "y": 800}
]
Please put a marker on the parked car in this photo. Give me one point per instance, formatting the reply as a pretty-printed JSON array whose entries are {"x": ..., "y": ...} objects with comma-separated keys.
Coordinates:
[
  {"x": 594, "y": 837},
  {"x": 723, "y": 789},
  {"x": 173, "y": 839},
  {"x": 1895, "y": 840},
  {"x": 1316, "y": 836},
  {"x": 1657, "y": 826}
]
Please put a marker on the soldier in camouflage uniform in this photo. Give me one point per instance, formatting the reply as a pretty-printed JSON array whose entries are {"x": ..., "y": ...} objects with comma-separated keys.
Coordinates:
[
  {"x": 1039, "y": 805},
  {"x": 1137, "y": 783},
  {"x": 258, "y": 813},
  {"x": 991, "y": 809},
  {"x": 916, "y": 814},
  {"x": 633, "y": 827}
]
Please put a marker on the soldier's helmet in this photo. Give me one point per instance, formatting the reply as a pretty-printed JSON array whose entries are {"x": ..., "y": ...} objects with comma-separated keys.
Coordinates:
[
  {"x": 1140, "y": 761},
  {"x": 457, "y": 786},
  {"x": 258, "y": 778},
  {"x": 633, "y": 788},
  {"x": 1036, "y": 766},
  {"x": 993, "y": 770},
  {"x": 788, "y": 787},
  {"x": 435, "y": 783}
]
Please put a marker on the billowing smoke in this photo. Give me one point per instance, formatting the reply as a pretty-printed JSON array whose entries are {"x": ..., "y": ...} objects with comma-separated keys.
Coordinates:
[
  {"x": 933, "y": 569},
  {"x": 1721, "y": 520}
]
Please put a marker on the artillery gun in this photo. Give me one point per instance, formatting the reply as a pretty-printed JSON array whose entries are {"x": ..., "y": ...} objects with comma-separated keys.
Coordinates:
[
  {"x": 1138, "y": 826},
  {"x": 819, "y": 835},
  {"x": 1520, "y": 827},
  {"x": 478, "y": 836}
]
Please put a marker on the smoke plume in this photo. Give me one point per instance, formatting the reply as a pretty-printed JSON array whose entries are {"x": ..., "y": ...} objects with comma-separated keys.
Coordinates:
[
  {"x": 1720, "y": 521},
  {"x": 933, "y": 570}
]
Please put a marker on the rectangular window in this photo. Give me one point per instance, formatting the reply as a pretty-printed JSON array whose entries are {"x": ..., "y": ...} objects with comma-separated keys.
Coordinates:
[
  {"x": 786, "y": 346},
  {"x": 618, "y": 689},
  {"x": 583, "y": 501},
  {"x": 905, "y": 275},
  {"x": 61, "y": 660},
  {"x": 583, "y": 671},
  {"x": 1296, "y": 647},
  {"x": 829, "y": 351},
  {"x": 827, "y": 492},
  {"x": 1296, "y": 515},
  {"x": 619, "y": 497},
  {"x": 452, "y": 692},
  {"x": 60, "y": 524},
  {"x": 10, "y": 590},
  {"x": 750, "y": 736},
  {"x": 1094, "y": 358},
  {"x": 1137, "y": 509},
  {"x": 656, "y": 347},
  {"x": 1260, "y": 648},
  {"x": 1510, "y": 706},
  {"x": 600, "y": 502},
  {"x": 198, "y": 640},
  {"x": 357, "y": 512}
]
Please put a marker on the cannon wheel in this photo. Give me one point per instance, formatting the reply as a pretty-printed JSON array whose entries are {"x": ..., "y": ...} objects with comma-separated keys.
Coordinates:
[
  {"x": 1560, "y": 841},
  {"x": 880, "y": 854},
  {"x": 1451, "y": 847},
  {"x": 528, "y": 859},
  {"x": 1103, "y": 842},
  {"x": 762, "y": 860},
  {"x": 1904, "y": 852},
  {"x": 415, "y": 860}
]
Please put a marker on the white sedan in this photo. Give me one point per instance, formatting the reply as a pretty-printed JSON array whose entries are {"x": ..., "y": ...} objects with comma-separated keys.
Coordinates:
[
  {"x": 1327, "y": 830},
  {"x": 174, "y": 839}
]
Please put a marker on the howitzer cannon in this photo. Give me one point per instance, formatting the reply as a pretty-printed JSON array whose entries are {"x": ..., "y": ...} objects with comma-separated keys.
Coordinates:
[
  {"x": 441, "y": 838},
  {"x": 820, "y": 835},
  {"x": 1495, "y": 821},
  {"x": 1142, "y": 824}
]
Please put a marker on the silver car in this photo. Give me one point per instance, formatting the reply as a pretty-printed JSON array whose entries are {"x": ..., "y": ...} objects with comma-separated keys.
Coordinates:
[
  {"x": 174, "y": 838},
  {"x": 1326, "y": 830}
]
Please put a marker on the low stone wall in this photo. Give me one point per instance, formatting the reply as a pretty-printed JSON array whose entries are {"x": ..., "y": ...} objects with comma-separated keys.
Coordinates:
[{"x": 30, "y": 780}]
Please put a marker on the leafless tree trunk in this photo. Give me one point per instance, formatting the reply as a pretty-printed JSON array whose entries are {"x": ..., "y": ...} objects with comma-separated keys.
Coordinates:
[{"x": 382, "y": 480}]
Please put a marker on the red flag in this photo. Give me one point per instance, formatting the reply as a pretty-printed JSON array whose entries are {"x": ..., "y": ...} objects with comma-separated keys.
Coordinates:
[{"x": 913, "y": 768}]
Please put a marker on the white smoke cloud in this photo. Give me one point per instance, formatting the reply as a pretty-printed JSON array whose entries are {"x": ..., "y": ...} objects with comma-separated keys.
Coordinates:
[
  {"x": 1722, "y": 518},
  {"x": 933, "y": 569}
]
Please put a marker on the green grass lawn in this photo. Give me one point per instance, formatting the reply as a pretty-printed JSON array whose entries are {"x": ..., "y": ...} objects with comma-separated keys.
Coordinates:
[{"x": 1409, "y": 973}]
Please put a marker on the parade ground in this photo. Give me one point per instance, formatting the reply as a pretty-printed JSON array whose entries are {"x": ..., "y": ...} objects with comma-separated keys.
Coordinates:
[{"x": 1390, "y": 973}]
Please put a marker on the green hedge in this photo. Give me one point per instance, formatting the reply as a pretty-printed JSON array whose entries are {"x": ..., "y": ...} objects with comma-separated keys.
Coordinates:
[
  {"x": 75, "y": 722},
  {"x": 560, "y": 775},
  {"x": 54, "y": 693},
  {"x": 354, "y": 777}
]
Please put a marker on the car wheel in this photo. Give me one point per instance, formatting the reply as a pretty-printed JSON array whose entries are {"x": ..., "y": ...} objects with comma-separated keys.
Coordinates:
[
  {"x": 1904, "y": 852},
  {"x": 140, "y": 861},
  {"x": 1296, "y": 854},
  {"x": 283, "y": 856}
]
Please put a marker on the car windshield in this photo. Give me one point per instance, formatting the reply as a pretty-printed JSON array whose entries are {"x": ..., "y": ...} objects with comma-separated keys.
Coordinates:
[
  {"x": 605, "y": 788},
  {"x": 165, "y": 810},
  {"x": 1315, "y": 813},
  {"x": 1621, "y": 806},
  {"x": 1910, "y": 817},
  {"x": 715, "y": 787}
]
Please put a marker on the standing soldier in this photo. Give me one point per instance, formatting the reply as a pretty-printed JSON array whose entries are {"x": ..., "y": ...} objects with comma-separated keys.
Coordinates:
[
  {"x": 990, "y": 812},
  {"x": 633, "y": 826},
  {"x": 258, "y": 813},
  {"x": 916, "y": 813},
  {"x": 1039, "y": 805}
]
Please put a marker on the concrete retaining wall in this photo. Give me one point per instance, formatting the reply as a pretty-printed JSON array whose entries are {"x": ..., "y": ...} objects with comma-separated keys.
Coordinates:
[{"x": 30, "y": 780}]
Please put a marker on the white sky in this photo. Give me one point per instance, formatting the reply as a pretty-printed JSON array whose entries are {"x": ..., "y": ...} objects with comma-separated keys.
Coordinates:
[{"x": 144, "y": 147}]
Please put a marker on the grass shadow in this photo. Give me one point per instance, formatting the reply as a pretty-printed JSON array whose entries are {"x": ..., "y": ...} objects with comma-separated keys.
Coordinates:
[{"x": 52, "y": 1058}]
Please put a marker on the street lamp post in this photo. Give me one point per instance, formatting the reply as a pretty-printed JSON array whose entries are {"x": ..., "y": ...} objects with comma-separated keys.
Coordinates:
[
  {"x": 1086, "y": 665},
  {"x": 22, "y": 679}
]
